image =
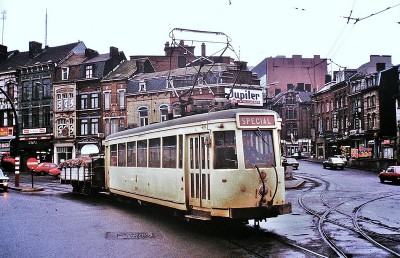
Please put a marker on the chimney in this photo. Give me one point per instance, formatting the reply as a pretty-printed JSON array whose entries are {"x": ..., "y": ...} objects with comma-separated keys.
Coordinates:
[
  {"x": 35, "y": 48},
  {"x": 167, "y": 49},
  {"x": 203, "y": 49},
  {"x": 90, "y": 53},
  {"x": 114, "y": 52},
  {"x": 3, "y": 53}
]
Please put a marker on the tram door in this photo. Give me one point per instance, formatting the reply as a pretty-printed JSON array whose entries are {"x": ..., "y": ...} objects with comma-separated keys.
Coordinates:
[{"x": 199, "y": 172}]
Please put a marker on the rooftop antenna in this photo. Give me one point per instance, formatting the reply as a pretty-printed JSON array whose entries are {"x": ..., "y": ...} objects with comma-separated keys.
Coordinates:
[
  {"x": 45, "y": 33},
  {"x": 4, "y": 12}
]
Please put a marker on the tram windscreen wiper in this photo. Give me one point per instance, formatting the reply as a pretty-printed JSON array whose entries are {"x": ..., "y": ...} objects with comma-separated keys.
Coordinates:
[{"x": 259, "y": 134}]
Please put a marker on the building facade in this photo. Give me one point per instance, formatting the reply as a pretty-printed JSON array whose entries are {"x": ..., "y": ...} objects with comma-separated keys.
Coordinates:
[{"x": 355, "y": 115}]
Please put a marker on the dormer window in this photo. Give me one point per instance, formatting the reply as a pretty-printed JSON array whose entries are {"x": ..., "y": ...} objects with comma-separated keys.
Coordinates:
[
  {"x": 89, "y": 71},
  {"x": 64, "y": 73},
  {"x": 142, "y": 86}
]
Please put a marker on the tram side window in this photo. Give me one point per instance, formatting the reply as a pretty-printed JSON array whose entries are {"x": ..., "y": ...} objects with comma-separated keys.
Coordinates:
[
  {"x": 225, "y": 150},
  {"x": 180, "y": 151},
  {"x": 142, "y": 153},
  {"x": 122, "y": 155},
  {"x": 131, "y": 154},
  {"x": 113, "y": 155},
  {"x": 169, "y": 152},
  {"x": 154, "y": 150}
]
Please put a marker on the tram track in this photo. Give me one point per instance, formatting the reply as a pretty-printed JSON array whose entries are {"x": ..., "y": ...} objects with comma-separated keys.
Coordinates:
[{"x": 350, "y": 222}]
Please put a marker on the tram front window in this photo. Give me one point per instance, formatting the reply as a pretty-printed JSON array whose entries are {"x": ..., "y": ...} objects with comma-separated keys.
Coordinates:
[{"x": 258, "y": 149}]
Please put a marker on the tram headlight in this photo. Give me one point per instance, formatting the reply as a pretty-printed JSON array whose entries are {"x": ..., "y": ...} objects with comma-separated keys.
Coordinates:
[{"x": 263, "y": 190}]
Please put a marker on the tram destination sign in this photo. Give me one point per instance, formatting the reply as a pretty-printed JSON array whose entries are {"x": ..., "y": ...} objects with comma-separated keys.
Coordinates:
[{"x": 249, "y": 120}]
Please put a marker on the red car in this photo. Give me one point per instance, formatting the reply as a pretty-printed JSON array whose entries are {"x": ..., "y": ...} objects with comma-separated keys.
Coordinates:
[
  {"x": 47, "y": 168},
  {"x": 392, "y": 173}
]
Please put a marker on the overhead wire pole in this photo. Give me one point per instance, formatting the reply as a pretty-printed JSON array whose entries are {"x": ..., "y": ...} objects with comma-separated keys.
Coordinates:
[{"x": 4, "y": 12}]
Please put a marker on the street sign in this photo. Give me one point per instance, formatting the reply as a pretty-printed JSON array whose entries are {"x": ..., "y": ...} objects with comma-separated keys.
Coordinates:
[{"x": 32, "y": 163}]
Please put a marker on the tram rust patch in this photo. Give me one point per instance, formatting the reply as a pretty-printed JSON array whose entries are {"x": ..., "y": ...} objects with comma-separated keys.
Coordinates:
[{"x": 132, "y": 235}]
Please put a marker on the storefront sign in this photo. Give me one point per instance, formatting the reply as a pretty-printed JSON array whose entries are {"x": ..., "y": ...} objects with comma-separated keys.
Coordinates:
[
  {"x": 6, "y": 131},
  {"x": 34, "y": 130}
]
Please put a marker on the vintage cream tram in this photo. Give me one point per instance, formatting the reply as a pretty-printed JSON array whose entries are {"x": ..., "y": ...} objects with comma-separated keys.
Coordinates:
[{"x": 223, "y": 164}]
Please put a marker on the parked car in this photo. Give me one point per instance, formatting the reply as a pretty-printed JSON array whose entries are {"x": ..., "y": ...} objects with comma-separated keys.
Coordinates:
[
  {"x": 44, "y": 168},
  {"x": 7, "y": 161},
  {"x": 55, "y": 172},
  {"x": 301, "y": 155},
  {"x": 343, "y": 158},
  {"x": 333, "y": 163},
  {"x": 392, "y": 173},
  {"x": 291, "y": 162},
  {"x": 4, "y": 181}
]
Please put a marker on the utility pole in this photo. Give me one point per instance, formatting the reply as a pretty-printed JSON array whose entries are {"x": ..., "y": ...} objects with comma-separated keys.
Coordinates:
[{"x": 4, "y": 12}]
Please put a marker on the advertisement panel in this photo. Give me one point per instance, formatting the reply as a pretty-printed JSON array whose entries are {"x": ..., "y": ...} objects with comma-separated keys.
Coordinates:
[{"x": 245, "y": 97}]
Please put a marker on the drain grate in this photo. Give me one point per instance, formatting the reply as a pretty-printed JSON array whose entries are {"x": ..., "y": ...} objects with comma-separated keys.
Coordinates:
[{"x": 131, "y": 235}]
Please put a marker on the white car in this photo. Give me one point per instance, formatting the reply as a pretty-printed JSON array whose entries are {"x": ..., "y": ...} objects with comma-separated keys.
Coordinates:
[
  {"x": 4, "y": 181},
  {"x": 342, "y": 157}
]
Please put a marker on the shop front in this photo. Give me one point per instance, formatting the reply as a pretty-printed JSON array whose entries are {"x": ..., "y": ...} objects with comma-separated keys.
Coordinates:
[{"x": 39, "y": 147}]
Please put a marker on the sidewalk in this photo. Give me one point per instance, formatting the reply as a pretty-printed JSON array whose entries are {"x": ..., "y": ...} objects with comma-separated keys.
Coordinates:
[{"x": 25, "y": 184}]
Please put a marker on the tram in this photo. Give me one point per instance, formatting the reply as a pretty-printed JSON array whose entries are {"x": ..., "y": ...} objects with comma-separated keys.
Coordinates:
[{"x": 223, "y": 164}]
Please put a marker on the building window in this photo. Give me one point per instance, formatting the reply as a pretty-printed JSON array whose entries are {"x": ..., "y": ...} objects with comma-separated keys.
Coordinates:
[
  {"x": 164, "y": 112},
  {"x": 64, "y": 153},
  {"x": 114, "y": 125},
  {"x": 143, "y": 116},
  {"x": 94, "y": 126},
  {"x": 142, "y": 86},
  {"x": 25, "y": 90},
  {"x": 121, "y": 124},
  {"x": 25, "y": 118},
  {"x": 64, "y": 73},
  {"x": 121, "y": 99},
  {"x": 71, "y": 101},
  {"x": 84, "y": 127},
  {"x": 47, "y": 90},
  {"x": 84, "y": 101},
  {"x": 291, "y": 113},
  {"x": 107, "y": 127},
  {"x": 94, "y": 100},
  {"x": 46, "y": 116},
  {"x": 62, "y": 129},
  {"x": 71, "y": 127},
  {"x": 89, "y": 71},
  {"x": 65, "y": 101},
  {"x": 35, "y": 117},
  {"x": 107, "y": 100},
  {"x": 36, "y": 90},
  {"x": 59, "y": 102}
]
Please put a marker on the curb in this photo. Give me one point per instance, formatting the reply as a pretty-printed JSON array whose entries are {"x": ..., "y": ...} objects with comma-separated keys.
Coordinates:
[{"x": 26, "y": 189}]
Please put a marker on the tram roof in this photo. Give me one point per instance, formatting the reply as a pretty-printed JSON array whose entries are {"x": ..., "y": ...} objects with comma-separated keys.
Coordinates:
[{"x": 230, "y": 113}]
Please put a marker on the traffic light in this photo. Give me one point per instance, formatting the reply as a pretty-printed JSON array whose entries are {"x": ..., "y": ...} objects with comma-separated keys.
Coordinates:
[{"x": 14, "y": 148}]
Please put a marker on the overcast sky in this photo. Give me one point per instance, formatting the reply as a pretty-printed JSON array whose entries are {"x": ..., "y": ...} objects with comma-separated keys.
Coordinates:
[{"x": 257, "y": 28}]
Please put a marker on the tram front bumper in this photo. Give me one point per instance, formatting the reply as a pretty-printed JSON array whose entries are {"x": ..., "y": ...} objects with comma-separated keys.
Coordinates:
[{"x": 261, "y": 212}]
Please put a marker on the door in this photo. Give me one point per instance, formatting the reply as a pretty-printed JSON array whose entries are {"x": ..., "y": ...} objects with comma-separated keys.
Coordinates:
[{"x": 199, "y": 172}]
